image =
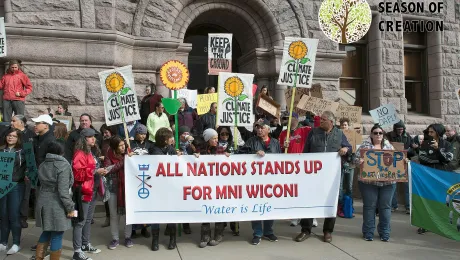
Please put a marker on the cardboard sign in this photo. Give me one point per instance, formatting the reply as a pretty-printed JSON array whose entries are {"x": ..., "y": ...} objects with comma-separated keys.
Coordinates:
[
  {"x": 32, "y": 171},
  {"x": 298, "y": 95},
  {"x": 317, "y": 105},
  {"x": 351, "y": 112},
  {"x": 215, "y": 188},
  {"x": 398, "y": 146},
  {"x": 2, "y": 37},
  {"x": 385, "y": 115},
  {"x": 315, "y": 91},
  {"x": 119, "y": 95},
  {"x": 204, "y": 102},
  {"x": 354, "y": 138},
  {"x": 190, "y": 95},
  {"x": 6, "y": 173},
  {"x": 67, "y": 120},
  {"x": 299, "y": 56},
  {"x": 269, "y": 105},
  {"x": 235, "y": 100},
  {"x": 383, "y": 165},
  {"x": 219, "y": 53}
]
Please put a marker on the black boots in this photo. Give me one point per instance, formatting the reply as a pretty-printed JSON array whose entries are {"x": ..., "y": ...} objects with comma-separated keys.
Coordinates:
[
  {"x": 172, "y": 236},
  {"x": 155, "y": 238},
  {"x": 187, "y": 229},
  {"x": 218, "y": 234},
  {"x": 205, "y": 235}
]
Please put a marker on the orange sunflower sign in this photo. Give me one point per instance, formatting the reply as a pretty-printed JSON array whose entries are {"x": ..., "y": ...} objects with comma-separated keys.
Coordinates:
[
  {"x": 298, "y": 62},
  {"x": 118, "y": 92},
  {"x": 234, "y": 105}
]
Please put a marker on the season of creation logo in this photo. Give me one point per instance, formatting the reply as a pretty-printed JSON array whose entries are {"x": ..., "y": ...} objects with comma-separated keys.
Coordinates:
[{"x": 411, "y": 7}]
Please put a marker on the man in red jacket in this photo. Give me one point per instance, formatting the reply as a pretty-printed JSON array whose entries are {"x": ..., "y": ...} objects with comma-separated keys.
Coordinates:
[
  {"x": 16, "y": 86},
  {"x": 297, "y": 137}
]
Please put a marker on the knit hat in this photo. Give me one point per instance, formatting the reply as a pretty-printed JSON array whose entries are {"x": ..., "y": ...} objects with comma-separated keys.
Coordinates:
[
  {"x": 184, "y": 129},
  {"x": 88, "y": 132},
  {"x": 209, "y": 133},
  {"x": 141, "y": 129}
]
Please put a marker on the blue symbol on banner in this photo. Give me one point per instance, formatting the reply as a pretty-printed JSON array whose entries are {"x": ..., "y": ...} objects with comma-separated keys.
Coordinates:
[{"x": 143, "y": 192}]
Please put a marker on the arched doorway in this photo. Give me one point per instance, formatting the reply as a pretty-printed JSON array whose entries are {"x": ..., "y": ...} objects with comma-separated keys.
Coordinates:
[{"x": 197, "y": 35}]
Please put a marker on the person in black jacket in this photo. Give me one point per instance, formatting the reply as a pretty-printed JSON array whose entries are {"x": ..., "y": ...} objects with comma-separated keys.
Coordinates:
[
  {"x": 206, "y": 121},
  {"x": 44, "y": 137},
  {"x": 163, "y": 138},
  {"x": 10, "y": 204},
  {"x": 85, "y": 122},
  {"x": 260, "y": 145}
]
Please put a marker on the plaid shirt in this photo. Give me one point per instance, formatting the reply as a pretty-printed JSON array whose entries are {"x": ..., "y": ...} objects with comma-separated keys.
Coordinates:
[{"x": 367, "y": 144}]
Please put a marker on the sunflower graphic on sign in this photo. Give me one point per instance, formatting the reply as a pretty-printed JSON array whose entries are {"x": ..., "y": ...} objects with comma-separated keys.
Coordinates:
[
  {"x": 115, "y": 84},
  {"x": 234, "y": 88},
  {"x": 298, "y": 50}
]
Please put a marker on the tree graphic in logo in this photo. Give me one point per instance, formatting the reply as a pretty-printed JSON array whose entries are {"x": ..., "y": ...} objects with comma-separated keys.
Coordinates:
[{"x": 345, "y": 21}]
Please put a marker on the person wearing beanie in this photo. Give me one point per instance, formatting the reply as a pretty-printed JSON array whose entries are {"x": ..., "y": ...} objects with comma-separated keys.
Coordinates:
[
  {"x": 399, "y": 135},
  {"x": 16, "y": 86},
  {"x": 211, "y": 138},
  {"x": 185, "y": 140}
]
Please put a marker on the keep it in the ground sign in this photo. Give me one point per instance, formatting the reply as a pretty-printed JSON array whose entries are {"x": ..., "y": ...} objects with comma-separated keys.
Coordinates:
[{"x": 2, "y": 38}]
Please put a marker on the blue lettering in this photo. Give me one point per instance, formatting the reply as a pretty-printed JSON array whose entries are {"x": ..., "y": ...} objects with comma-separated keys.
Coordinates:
[{"x": 397, "y": 156}]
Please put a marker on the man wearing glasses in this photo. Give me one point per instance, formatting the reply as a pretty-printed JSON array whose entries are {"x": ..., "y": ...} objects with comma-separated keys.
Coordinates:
[{"x": 324, "y": 139}]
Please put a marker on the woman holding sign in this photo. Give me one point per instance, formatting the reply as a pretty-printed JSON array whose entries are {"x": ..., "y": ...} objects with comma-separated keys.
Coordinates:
[
  {"x": 376, "y": 192},
  {"x": 10, "y": 203}
]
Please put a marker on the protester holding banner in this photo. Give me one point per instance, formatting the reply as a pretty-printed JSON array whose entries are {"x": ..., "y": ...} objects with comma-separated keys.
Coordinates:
[
  {"x": 260, "y": 145},
  {"x": 259, "y": 113},
  {"x": 87, "y": 169},
  {"x": 225, "y": 140},
  {"x": 326, "y": 138},
  {"x": 10, "y": 204},
  {"x": 163, "y": 147},
  {"x": 376, "y": 193},
  {"x": 54, "y": 203},
  {"x": 115, "y": 161},
  {"x": 185, "y": 141},
  {"x": 435, "y": 152},
  {"x": 16, "y": 86},
  {"x": 157, "y": 120}
]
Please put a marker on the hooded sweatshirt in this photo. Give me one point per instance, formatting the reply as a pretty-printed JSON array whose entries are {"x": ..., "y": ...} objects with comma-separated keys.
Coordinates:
[
  {"x": 13, "y": 82},
  {"x": 436, "y": 158},
  {"x": 404, "y": 138}
]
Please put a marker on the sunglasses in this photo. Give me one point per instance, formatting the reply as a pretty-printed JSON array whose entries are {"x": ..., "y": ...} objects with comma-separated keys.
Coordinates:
[
  {"x": 377, "y": 133},
  {"x": 225, "y": 134}
]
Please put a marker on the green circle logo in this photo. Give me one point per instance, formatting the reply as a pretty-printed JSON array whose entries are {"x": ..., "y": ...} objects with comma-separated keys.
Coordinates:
[{"x": 345, "y": 21}]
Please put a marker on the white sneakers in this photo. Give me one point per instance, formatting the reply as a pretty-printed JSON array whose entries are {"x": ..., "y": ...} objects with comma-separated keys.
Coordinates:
[
  {"x": 13, "y": 250},
  {"x": 315, "y": 222}
]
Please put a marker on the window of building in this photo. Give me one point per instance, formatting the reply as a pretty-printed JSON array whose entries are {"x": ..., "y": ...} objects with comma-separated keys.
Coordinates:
[
  {"x": 415, "y": 71},
  {"x": 353, "y": 82}
]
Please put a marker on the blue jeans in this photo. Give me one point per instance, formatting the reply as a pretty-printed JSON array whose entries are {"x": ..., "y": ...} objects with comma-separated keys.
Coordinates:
[
  {"x": 53, "y": 237},
  {"x": 267, "y": 227},
  {"x": 10, "y": 211},
  {"x": 346, "y": 183},
  {"x": 372, "y": 196},
  {"x": 394, "y": 202}
]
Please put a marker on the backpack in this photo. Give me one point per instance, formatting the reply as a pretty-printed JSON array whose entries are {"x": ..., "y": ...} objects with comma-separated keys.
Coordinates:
[{"x": 348, "y": 206}]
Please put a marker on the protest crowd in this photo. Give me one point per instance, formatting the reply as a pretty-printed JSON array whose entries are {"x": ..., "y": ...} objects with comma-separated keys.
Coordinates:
[{"x": 90, "y": 162}]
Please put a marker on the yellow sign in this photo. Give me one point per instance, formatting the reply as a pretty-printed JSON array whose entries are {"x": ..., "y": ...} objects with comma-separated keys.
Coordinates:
[{"x": 204, "y": 102}]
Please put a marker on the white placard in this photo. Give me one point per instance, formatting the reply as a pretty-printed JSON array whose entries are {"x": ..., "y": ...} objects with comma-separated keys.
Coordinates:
[
  {"x": 2, "y": 37},
  {"x": 186, "y": 189},
  {"x": 231, "y": 84},
  {"x": 219, "y": 53},
  {"x": 299, "y": 55},
  {"x": 119, "y": 95},
  {"x": 385, "y": 115},
  {"x": 190, "y": 96}
]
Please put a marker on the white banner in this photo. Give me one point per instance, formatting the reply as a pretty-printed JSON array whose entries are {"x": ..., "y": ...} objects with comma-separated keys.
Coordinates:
[
  {"x": 2, "y": 37},
  {"x": 186, "y": 189},
  {"x": 219, "y": 53},
  {"x": 385, "y": 115},
  {"x": 299, "y": 55},
  {"x": 235, "y": 93},
  {"x": 119, "y": 95},
  {"x": 190, "y": 96}
]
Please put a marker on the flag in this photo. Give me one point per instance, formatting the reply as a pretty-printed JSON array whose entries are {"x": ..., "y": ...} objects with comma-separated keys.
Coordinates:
[{"x": 435, "y": 203}]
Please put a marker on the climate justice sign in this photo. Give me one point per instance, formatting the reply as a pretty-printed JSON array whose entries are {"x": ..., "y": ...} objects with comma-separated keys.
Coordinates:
[
  {"x": 219, "y": 53},
  {"x": 179, "y": 189}
]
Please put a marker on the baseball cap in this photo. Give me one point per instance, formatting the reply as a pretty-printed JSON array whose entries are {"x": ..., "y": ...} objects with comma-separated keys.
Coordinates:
[
  {"x": 88, "y": 132},
  {"x": 263, "y": 122},
  {"x": 43, "y": 119}
]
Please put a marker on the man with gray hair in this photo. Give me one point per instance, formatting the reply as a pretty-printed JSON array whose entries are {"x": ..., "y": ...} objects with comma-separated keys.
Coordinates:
[
  {"x": 454, "y": 139},
  {"x": 326, "y": 138}
]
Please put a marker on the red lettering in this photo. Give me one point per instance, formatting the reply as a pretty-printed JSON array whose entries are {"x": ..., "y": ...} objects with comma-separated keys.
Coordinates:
[
  {"x": 297, "y": 167},
  {"x": 221, "y": 193},
  {"x": 211, "y": 164},
  {"x": 207, "y": 193},
  {"x": 308, "y": 170},
  {"x": 224, "y": 169},
  {"x": 161, "y": 170},
  {"x": 318, "y": 166},
  {"x": 279, "y": 167},
  {"x": 278, "y": 190},
  {"x": 268, "y": 186},
  {"x": 191, "y": 169},
  {"x": 244, "y": 171},
  {"x": 202, "y": 170},
  {"x": 253, "y": 168},
  {"x": 186, "y": 190},
  {"x": 169, "y": 173},
  {"x": 260, "y": 164},
  {"x": 268, "y": 168},
  {"x": 196, "y": 196},
  {"x": 178, "y": 173}
]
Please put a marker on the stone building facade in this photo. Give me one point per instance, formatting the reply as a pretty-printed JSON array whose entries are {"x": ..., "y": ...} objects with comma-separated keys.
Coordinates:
[{"x": 65, "y": 43}]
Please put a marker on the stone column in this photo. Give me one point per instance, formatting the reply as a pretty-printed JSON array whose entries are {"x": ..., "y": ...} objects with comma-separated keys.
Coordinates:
[
  {"x": 88, "y": 14},
  {"x": 8, "y": 11}
]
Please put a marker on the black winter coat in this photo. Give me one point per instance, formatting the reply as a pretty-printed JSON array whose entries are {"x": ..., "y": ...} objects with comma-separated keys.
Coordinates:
[
  {"x": 41, "y": 143},
  {"x": 168, "y": 150},
  {"x": 255, "y": 144}
]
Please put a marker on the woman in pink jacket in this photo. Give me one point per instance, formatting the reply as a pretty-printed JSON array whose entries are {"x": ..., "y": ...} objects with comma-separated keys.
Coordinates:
[{"x": 16, "y": 86}]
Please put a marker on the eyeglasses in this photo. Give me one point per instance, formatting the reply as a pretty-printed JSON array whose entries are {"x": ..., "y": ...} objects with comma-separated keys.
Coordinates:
[
  {"x": 377, "y": 133},
  {"x": 12, "y": 136},
  {"x": 225, "y": 134}
]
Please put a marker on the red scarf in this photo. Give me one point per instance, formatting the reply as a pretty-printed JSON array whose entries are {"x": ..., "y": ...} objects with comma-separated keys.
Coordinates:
[{"x": 120, "y": 175}]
